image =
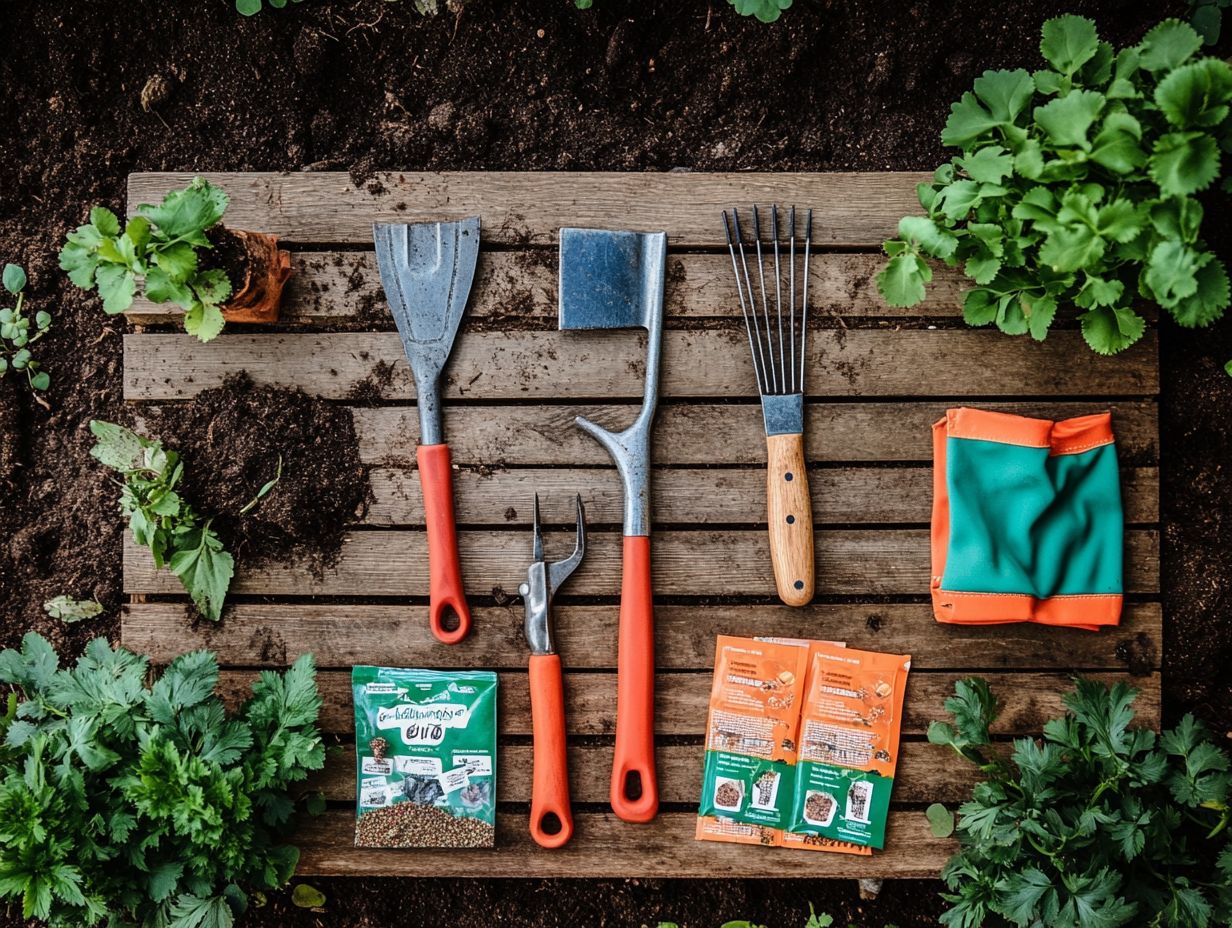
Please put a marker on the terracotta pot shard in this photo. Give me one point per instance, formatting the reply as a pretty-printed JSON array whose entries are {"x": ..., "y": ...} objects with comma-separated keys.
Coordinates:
[{"x": 258, "y": 298}]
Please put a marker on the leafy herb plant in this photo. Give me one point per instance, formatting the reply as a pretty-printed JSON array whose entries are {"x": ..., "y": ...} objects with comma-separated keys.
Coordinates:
[
  {"x": 160, "y": 519},
  {"x": 1097, "y": 825},
  {"x": 765, "y": 10},
  {"x": 1075, "y": 189},
  {"x": 17, "y": 334},
  {"x": 132, "y": 805},
  {"x": 160, "y": 249}
]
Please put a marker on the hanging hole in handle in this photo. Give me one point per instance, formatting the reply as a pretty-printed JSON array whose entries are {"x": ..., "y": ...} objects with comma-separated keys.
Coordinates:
[
  {"x": 633, "y": 786},
  {"x": 449, "y": 619},
  {"x": 550, "y": 824}
]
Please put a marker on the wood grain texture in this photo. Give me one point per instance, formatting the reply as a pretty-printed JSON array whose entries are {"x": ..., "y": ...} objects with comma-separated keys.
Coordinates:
[
  {"x": 519, "y": 287},
  {"x": 610, "y": 365},
  {"x": 685, "y": 563},
  {"x": 603, "y": 846},
  {"x": 789, "y": 514},
  {"x": 839, "y": 495},
  {"x": 925, "y": 773},
  {"x": 1027, "y": 700},
  {"x": 255, "y": 635},
  {"x": 850, "y": 210}
]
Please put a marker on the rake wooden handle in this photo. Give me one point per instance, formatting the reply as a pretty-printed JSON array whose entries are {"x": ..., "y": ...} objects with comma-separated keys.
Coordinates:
[{"x": 790, "y": 511}]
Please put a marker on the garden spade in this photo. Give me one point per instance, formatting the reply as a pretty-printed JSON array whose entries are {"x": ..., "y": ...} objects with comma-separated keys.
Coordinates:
[
  {"x": 614, "y": 280},
  {"x": 426, "y": 270}
]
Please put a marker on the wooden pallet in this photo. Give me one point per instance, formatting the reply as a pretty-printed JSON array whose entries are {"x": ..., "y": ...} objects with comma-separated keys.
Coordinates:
[{"x": 877, "y": 378}]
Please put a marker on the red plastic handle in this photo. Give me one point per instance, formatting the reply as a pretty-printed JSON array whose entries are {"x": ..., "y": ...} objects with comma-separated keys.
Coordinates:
[
  {"x": 550, "y": 788},
  {"x": 444, "y": 574},
  {"x": 633, "y": 769}
]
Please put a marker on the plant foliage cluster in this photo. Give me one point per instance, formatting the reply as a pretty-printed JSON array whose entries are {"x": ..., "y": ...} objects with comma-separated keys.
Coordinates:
[
  {"x": 159, "y": 248},
  {"x": 126, "y": 804},
  {"x": 1097, "y": 825},
  {"x": 161, "y": 520},
  {"x": 17, "y": 334},
  {"x": 1075, "y": 188}
]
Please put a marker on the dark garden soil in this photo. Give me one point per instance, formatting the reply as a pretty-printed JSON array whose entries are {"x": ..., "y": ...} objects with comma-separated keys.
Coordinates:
[{"x": 363, "y": 85}]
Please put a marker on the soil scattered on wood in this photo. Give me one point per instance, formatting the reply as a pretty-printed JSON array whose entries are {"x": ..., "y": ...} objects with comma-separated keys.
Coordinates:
[{"x": 236, "y": 438}]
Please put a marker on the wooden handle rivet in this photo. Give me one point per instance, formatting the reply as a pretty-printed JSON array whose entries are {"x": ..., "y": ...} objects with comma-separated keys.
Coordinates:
[
  {"x": 799, "y": 584},
  {"x": 787, "y": 476},
  {"x": 791, "y": 520}
]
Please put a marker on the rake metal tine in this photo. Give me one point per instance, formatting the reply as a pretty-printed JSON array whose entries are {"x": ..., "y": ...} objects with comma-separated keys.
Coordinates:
[
  {"x": 791, "y": 287},
  {"x": 762, "y": 380},
  {"x": 537, "y": 544},
  {"x": 765, "y": 307},
  {"x": 778, "y": 294},
  {"x": 748, "y": 327},
  {"x": 808, "y": 244}
]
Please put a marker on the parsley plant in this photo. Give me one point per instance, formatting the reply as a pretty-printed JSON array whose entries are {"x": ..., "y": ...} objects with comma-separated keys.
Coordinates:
[
  {"x": 1075, "y": 188},
  {"x": 128, "y": 804},
  {"x": 1097, "y": 825},
  {"x": 177, "y": 536},
  {"x": 159, "y": 248}
]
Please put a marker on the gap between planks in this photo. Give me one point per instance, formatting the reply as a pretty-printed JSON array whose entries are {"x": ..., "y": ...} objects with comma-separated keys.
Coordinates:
[
  {"x": 1028, "y": 699},
  {"x": 256, "y": 635},
  {"x": 850, "y": 210},
  {"x": 603, "y": 846},
  {"x": 700, "y": 562},
  {"x": 697, "y": 364}
]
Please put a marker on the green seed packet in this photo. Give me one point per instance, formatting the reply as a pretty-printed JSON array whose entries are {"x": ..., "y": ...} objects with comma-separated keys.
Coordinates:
[{"x": 425, "y": 757}]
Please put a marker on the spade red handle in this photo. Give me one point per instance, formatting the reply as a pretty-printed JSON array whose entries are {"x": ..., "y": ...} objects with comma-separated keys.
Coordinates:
[
  {"x": 444, "y": 574},
  {"x": 634, "y": 791}
]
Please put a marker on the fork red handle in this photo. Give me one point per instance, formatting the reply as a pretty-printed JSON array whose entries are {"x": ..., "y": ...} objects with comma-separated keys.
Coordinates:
[
  {"x": 444, "y": 573},
  {"x": 549, "y": 795},
  {"x": 633, "y": 767}
]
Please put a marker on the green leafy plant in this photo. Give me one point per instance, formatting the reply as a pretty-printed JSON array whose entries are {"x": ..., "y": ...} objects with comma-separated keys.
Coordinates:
[
  {"x": 128, "y": 804},
  {"x": 765, "y": 10},
  {"x": 160, "y": 519},
  {"x": 67, "y": 609},
  {"x": 16, "y": 335},
  {"x": 940, "y": 820},
  {"x": 159, "y": 248},
  {"x": 1206, "y": 16},
  {"x": 1074, "y": 189},
  {"x": 252, "y": 7},
  {"x": 1098, "y": 824}
]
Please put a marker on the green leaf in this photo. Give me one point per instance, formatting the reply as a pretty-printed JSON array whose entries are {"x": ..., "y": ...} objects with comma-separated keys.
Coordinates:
[
  {"x": 1171, "y": 272},
  {"x": 205, "y": 321},
  {"x": 160, "y": 288},
  {"x": 1197, "y": 94},
  {"x": 1020, "y": 895},
  {"x": 1119, "y": 220},
  {"x": 1108, "y": 329},
  {"x": 1070, "y": 248},
  {"x": 105, "y": 221},
  {"x": 1168, "y": 46},
  {"x": 998, "y": 99},
  {"x": 185, "y": 215},
  {"x": 1069, "y": 42},
  {"x": 940, "y": 820},
  {"x": 164, "y": 878},
  {"x": 902, "y": 280},
  {"x": 927, "y": 235},
  {"x": 67, "y": 609},
  {"x": 817, "y": 920},
  {"x": 1117, "y": 146},
  {"x": 178, "y": 261},
  {"x": 989, "y": 165},
  {"x": 979, "y": 307},
  {"x": 1207, "y": 20},
  {"x": 212, "y": 287},
  {"x": 117, "y": 286},
  {"x": 1209, "y": 300},
  {"x": 189, "y": 911},
  {"x": 982, "y": 268},
  {"x": 1040, "y": 311},
  {"x": 40, "y": 381},
  {"x": 205, "y": 570},
  {"x": 307, "y": 897},
  {"x": 14, "y": 279},
  {"x": 248, "y": 7},
  {"x": 1067, "y": 120},
  {"x": 117, "y": 447}
]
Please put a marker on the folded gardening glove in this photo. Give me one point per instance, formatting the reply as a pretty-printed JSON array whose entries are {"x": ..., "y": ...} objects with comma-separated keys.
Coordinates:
[{"x": 1027, "y": 520}]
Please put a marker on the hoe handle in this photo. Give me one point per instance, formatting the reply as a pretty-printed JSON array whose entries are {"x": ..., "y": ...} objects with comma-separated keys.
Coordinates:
[
  {"x": 444, "y": 574},
  {"x": 791, "y": 518},
  {"x": 549, "y": 796},
  {"x": 635, "y": 792}
]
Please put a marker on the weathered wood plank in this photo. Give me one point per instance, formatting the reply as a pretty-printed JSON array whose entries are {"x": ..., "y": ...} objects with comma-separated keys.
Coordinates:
[
  {"x": 1027, "y": 700},
  {"x": 685, "y": 563},
  {"x": 926, "y": 773},
  {"x": 342, "y": 288},
  {"x": 844, "y": 495},
  {"x": 524, "y": 208},
  {"x": 603, "y": 846},
  {"x": 256, "y": 635},
  {"x": 610, "y": 365}
]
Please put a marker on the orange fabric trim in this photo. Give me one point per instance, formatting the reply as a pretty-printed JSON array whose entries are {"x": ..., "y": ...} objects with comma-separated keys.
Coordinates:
[
  {"x": 940, "y": 537},
  {"x": 1085, "y": 612},
  {"x": 1069, "y": 436}
]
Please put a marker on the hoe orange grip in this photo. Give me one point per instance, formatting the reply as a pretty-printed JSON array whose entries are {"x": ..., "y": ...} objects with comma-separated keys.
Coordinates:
[
  {"x": 635, "y": 791},
  {"x": 444, "y": 574},
  {"x": 550, "y": 788}
]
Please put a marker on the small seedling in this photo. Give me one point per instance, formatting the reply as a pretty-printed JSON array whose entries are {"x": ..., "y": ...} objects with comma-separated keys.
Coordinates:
[
  {"x": 160, "y": 249},
  {"x": 17, "y": 334},
  {"x": 264, "y": 491},
  {"x": 307, "y": 897},
  {"x": 940, "y": 820},
  {"x": 824, "y": 920},
  {"x": 177, "y": 536},
  {"x": 765, "y": 10},
  {"x": 67, "y": 609},
  {"x": 252, "y": 7}
]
